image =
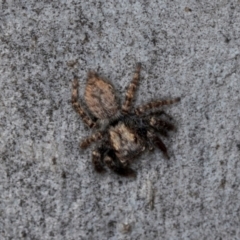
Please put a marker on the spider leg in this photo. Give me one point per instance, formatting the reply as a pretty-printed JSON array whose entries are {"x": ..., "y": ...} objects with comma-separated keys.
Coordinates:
[
  {"x": 131, "y": 90},
  {"x": 97, "y": 160},
  {"x": 155, "y": 104},
  {"x": 158, "y": 142},
  {"x": 115, "y": 165},
  {"x": 76, "y": 105},
  {"x": 159, "y": 113},
  {"x": 160, "y": 124},
  {"x": 93, "y": 138}
]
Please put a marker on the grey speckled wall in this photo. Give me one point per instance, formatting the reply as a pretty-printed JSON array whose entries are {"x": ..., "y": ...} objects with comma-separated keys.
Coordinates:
[{"x": 47, "y": 184}]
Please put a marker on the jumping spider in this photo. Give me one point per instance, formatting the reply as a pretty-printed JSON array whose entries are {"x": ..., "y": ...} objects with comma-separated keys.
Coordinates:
[{"x": 121, "y": 133}]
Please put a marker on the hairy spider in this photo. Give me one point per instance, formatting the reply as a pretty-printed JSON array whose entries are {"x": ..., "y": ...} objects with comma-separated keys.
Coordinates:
[{"x": 121, "y": 133}]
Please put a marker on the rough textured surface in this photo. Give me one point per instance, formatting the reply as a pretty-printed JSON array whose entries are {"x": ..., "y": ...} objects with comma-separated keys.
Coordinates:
[{"x": 48, "y": 187}]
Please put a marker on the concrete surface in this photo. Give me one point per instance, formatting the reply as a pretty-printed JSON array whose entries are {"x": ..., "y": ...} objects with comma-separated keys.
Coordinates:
[{"x": 47, "y": 184}]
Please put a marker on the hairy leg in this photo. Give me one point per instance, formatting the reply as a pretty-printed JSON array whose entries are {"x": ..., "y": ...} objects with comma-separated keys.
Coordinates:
[
  {"x": 158, "y": 142},
  {"x": 131, "y": 90},
  {"x": 76, "y": 105},
  {"x": 159, "y": 113},
  {"x": 97, "y": 160},
  {"x": 115, "y": 165},
  {"x": 155, "y": 104},
  {"x": 93, "y": 138},
  {"x": 160, "y": 124}
]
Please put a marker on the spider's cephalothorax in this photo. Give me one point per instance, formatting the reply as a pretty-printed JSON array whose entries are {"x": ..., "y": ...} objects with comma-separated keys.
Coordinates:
[{"x": 121, "y": 133}]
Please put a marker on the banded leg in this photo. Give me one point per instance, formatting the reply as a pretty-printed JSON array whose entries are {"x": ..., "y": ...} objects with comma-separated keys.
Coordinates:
[
  {"x": 161, "y": 124},
  {"x": 115, "y": 165},
  {"x": 158, "y": 142},
  {"x": 131, "y": 90},
  {"x": 97, "y": 160},
  {"x": 155, "y": 104},
  {"x": 87, "y": 120},
  {"x": 159, "y": 113},
  {"x": 93, "y": 138}
]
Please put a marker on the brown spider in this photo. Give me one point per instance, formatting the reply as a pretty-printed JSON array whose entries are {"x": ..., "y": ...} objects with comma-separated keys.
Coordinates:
[{"x": 122, "y": 134}]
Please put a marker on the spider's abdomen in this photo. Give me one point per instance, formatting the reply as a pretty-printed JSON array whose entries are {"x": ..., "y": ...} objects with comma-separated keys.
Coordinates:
[
  {"x": 126, "y": 143},
  {"x": 100, "y": 97}
]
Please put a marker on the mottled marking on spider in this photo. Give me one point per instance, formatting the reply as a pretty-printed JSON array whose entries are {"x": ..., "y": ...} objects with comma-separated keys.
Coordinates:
[{"x": 121, "y": 132}]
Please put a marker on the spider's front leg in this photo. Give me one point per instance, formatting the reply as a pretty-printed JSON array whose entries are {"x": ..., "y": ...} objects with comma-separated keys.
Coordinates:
[
  {"x": 97, "y": 160},
  {"x": 115, "y": 165},
  {"x": 76, "y": 105},
  {"x": 158, "y": 142},
  {"x": 93, "y": 138},
  {"x": 160, "y": 124},
  {"x": 131, "y": 90}
]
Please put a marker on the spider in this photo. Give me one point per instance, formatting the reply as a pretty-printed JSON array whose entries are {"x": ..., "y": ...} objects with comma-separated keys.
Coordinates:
[{"x": 121, "y": 133}]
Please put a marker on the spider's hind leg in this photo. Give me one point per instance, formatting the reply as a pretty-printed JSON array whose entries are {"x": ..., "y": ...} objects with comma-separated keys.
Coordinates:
[
  {"x": 131, "y": 90},
  {"x": 115, "y": 165},
  {"x": 155, "y": 104},
  {"x": 78, "y": 108}
]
